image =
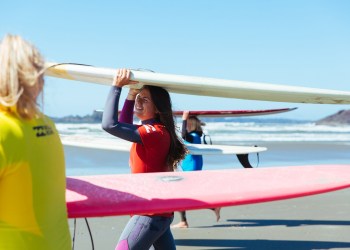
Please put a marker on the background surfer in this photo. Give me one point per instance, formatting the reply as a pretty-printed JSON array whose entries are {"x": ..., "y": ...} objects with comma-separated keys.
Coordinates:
[
  {"x": 33, "y": 212},
  {"x": 192, "y": 132},
  {"x": 155, "y": 148}
]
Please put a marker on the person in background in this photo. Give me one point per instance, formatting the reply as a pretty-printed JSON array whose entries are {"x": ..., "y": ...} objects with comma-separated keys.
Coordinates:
[
  {"x": 155, "y": 148},
  {"x": 192, "y": 132},
  {"x": 33, "y": 213}
]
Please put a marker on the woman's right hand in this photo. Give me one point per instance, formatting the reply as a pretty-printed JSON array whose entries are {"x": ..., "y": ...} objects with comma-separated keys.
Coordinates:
[
  {"x": 122, "y": 78},
  {"x": 185, "y": 114}
]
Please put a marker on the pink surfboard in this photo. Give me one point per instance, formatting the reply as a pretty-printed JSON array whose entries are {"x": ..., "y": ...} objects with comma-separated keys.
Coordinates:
[{"x": 110, "y": 195}]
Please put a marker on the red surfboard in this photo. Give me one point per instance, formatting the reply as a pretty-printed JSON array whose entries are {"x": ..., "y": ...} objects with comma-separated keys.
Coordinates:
[
  {"x": 235, "y": 113},
  {"x": 110, "y": 195},
  {"x": 231, "y": 113}
]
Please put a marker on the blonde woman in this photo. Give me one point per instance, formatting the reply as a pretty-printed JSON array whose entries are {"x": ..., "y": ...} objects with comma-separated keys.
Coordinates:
[{"x": 32, "y": 170}]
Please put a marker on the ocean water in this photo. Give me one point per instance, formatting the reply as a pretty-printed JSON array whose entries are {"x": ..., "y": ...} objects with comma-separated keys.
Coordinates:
[
  {"x": 289, "y": 143},
  {"x": 269, "y": 131},
  {"x": 231, "y": 132}
]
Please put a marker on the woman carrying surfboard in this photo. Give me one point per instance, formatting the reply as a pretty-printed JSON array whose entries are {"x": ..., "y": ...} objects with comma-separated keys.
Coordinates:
[
  {"x": 192, "y": 132},
  {"x": 155, "y": 148}
]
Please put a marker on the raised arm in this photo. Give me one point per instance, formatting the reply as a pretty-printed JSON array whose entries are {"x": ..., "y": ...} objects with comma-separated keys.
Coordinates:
[
  {"x": 185, "y": 115},
  {"x": 110, "y": 122}
]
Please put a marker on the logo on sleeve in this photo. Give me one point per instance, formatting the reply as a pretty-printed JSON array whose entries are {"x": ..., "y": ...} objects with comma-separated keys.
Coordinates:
[
  {"x": 149, "y": 128},
  {"x": 43, "y": 130}
]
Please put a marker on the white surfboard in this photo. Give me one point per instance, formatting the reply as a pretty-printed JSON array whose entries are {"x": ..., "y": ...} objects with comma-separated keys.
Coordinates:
[
  {"x": 203, "y": 86},
  {"x": 195, "y": 149},
  {"x": 205, "y": 149}
]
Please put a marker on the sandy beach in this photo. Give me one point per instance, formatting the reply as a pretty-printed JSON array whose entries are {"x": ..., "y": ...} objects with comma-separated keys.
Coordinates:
[{"x": 313, "y": 222}]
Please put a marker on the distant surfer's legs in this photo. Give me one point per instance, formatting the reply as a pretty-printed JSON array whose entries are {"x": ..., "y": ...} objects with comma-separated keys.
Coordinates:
[
  {"x": 183, "y": 221},
  {"x": 217, "y": 213},
  {"x": 142, "y": 232}
]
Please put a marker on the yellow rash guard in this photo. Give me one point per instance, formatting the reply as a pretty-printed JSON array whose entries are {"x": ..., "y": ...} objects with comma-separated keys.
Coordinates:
[{"x": 33, "y": 214}]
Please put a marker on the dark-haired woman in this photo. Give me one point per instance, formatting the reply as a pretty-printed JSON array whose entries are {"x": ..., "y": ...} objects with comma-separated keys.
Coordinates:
[{"x": 155, "y": 148}]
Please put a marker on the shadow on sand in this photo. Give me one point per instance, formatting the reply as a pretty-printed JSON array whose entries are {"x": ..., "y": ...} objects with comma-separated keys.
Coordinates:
[
  {"x": 286, "y": 223},
  {"x": 217, "y": 244},
  {"x": 226, "y": 244}
]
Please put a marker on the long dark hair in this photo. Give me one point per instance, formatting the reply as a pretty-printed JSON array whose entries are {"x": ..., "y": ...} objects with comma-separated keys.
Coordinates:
[{"x": 162, "y": 101}]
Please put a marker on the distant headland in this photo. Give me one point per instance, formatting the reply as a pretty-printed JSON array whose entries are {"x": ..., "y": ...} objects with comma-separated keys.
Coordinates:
[
  {"x": 95, "y": 117},
  {"x": 341, "y": 118}
]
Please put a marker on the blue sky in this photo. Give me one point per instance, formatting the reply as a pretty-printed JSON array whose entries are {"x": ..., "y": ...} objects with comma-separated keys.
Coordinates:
[{"x": 296, "y": 42}]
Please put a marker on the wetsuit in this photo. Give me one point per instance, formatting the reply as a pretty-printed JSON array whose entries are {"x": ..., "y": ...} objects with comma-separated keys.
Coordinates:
[
  {"x": 33, "y": 213},
  {"x": 151, "y": 143},
  {"x": 191, "y": 162}
]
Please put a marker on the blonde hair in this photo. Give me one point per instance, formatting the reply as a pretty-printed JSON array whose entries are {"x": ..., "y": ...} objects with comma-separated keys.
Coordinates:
[
  {"x": 194, "y": 124},
  {"x": 21, "y": 76}
]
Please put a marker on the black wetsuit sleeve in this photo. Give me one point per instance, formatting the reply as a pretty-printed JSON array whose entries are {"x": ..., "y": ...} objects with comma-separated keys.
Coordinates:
[
  {"x": 183, "y": 129},
  {"x": 110, "y": 121},
  {"x": 184, "y": 134}
]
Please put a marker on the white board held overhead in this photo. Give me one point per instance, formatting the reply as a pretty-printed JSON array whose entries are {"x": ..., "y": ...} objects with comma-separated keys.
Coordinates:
[{"x": 203, "y": 86}]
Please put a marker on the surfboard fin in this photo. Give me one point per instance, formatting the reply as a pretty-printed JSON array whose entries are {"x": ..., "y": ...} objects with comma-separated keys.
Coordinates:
[{"x": 244, "y": 160}]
